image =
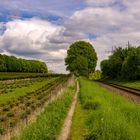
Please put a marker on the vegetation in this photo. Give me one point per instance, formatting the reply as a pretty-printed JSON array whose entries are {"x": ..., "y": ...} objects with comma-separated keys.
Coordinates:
[
  {"x": 49, "y": 123},
  {"x": 123, "y": 63},
  {"x": 134, "y": 84},
  {"x": 26, "y": 96},
  {"x": 81, "y": 58},
  {"x": 24, "y": 75},
  {"x": 95, "y": 76},
  {"x": 13, "y": 64},
  {"x": 104, "y": 115}
]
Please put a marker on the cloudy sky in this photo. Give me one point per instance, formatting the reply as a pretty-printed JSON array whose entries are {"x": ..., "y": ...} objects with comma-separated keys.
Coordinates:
[{"x": 44, "y": 29}]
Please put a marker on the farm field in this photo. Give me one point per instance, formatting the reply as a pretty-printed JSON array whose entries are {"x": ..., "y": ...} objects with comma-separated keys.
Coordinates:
[
  {"x": 101, "y": 114},
  {"x": 19, "y": 98},
  {"x": 22, "y": 75},
  {"x": 49, "y": 123}
]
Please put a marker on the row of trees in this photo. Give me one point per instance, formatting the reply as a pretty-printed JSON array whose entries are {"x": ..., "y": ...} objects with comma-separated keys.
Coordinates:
[
  {"x": 123, "y": 63},
  {"x": 13, "y": 64}
]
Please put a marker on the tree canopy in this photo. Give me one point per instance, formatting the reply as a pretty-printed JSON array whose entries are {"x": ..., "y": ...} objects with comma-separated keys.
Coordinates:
[
  {"x": 81, "y": 58},
  {"x": 123, "y": 63},
  {"x": 13, "y": 64}
]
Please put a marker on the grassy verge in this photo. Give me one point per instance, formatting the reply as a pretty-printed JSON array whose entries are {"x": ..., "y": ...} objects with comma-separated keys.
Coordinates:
[
  {"x": 49, "y": 123},
  {"x": 108, "y": 116},
  {"x": 135, "y": 84}
]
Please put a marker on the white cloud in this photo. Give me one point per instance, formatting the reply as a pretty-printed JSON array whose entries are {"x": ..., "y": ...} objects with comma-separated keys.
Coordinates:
[
  {"x": 30, "y": 37},
  {"x": 41, "y": 39},
  {"x": 35, "y": 38},
  {"x": 100, "y": 2}
]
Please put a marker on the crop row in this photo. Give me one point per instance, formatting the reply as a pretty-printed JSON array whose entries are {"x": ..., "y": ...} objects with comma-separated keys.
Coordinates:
[
  {"x": 49, "y": 123},
  {"x": 20, "y": 108},
  {"x": 23, "y": 75}
]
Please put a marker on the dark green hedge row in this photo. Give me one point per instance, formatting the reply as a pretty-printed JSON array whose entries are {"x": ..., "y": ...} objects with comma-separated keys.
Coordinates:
[
  {"x": 123, "y": 63},
  {"x": 13, "y": 64}
]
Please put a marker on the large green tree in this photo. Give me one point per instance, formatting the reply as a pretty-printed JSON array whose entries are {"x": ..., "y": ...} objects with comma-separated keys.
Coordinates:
[
  {"x": 81, "y": 58},
  {"x": 131, "y": 65},
  {"x": 123, "y": 63}
]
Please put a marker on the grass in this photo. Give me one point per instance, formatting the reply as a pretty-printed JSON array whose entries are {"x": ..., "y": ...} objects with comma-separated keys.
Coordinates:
[
  {"x": 22, "y": 91},
  {"x": 108, "y": 116},
  {"x": 135, "y": 84},
  {"x": 78, "y": 125},
  {"x": 49, "y": 123}
]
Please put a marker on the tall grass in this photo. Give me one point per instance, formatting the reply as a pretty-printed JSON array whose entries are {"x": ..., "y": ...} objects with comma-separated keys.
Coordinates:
[
  {"x": 49, "y": 123},
  {"x": 109, "y": 116}
]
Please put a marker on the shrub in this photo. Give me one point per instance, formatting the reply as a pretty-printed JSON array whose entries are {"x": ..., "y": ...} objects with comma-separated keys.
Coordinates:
[{"x": 10, "y": 114}]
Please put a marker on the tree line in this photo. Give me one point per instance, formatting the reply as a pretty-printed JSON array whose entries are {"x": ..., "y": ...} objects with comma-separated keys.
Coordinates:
[
  {"x": 123, "y": 63},
  {"x": 13, "y": 64}
]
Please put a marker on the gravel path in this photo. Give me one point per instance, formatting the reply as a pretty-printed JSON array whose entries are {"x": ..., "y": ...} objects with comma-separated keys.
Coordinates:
[{"x": 68, "y": 121}]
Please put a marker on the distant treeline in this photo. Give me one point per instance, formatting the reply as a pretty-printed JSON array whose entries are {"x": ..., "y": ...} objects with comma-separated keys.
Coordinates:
[
  {"x": 13, "y": 64},
  {"x": 123, "y": 63}
]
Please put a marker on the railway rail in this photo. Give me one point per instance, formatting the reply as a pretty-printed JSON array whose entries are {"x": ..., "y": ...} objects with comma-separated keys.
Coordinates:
[{"x": 130, "y": 90}]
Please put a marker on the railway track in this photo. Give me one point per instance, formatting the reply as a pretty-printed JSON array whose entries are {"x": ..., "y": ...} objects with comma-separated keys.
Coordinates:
[{"x": 130, "y": 90}]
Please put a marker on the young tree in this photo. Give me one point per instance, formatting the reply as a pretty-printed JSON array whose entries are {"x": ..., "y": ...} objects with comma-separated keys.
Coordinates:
[{"x": 81, "y": 58}]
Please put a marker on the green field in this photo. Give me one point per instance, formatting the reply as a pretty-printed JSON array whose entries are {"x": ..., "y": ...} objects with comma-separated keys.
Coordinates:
[
  {"x": 22, "y": 75},
  {"x": 49, "y": 123},
  {"x": 103, "y": 115},
  {"x": 20, "y": 88},
  {"x": 19, "y": 98}
]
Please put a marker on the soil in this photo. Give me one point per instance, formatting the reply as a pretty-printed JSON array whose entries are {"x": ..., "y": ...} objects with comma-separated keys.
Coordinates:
[{"x": 64, "y": 135}]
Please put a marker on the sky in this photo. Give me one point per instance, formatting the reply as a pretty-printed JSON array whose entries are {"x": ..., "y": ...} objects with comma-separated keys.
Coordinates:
[{"x": 44, "y": 29}]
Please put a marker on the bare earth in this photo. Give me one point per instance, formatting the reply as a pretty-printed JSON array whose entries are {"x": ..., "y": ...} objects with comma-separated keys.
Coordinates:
[{"x": 64, "y": 135}]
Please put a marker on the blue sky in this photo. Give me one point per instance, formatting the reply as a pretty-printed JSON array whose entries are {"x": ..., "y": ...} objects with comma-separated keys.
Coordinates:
[{"x": 44, "y": 29}]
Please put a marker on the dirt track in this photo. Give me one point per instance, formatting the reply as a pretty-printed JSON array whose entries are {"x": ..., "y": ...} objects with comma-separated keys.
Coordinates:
[{"x": 68, "y": 121}]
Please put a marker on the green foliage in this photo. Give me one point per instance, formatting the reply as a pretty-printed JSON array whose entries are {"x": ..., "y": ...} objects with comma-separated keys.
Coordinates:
[
  {"x": 81, "y": 58},
  {"x": 123, "y": 63},
  {"x": 95, "y": 76},
  {"x": 13, "y": 64},
  {"x": 131, "y": 65}
]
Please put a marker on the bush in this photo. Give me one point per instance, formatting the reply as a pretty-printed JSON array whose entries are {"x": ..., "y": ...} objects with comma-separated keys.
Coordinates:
[{"x": 10, "y": 114}]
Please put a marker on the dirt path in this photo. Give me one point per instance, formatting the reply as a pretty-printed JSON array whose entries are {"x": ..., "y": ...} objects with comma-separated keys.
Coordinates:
[{"x": 64, "y": 134}]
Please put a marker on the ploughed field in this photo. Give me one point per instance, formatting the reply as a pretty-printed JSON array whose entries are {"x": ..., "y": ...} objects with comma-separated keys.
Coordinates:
[{"x": 20, "y": 97}]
